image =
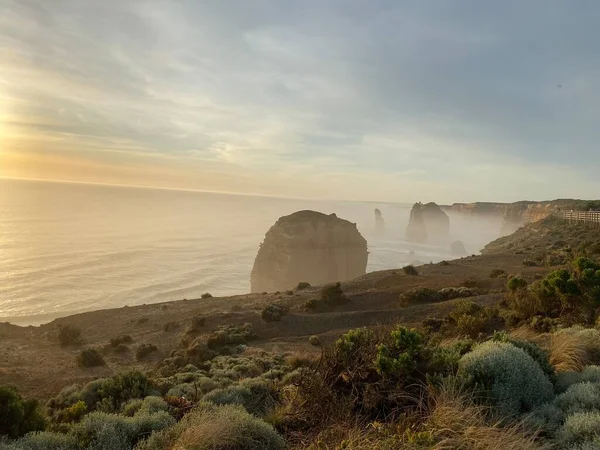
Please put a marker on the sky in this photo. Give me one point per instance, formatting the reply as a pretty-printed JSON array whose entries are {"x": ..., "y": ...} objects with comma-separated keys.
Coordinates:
[{"x": 385, "y": 100}]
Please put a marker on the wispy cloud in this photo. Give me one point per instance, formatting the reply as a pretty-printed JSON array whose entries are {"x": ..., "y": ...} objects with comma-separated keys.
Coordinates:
[{"x": 464, "y": 100}]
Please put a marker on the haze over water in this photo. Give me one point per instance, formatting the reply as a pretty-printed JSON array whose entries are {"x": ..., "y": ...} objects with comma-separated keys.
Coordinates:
[{"x": 67, "y": 247}]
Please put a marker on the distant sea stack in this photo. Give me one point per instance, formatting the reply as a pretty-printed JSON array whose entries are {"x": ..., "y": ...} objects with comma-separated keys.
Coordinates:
[
  {"x": 427, "y": 222},
  {"x": 308, "y": 246},
  {"x": 379, "y": 222}
]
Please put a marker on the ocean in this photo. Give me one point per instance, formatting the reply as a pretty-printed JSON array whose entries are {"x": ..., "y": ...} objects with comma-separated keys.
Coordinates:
[{"x": 68, "y": 247}]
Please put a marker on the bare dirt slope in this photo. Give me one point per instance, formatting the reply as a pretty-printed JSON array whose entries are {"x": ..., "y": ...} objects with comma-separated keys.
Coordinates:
[{"x": 32, "y": 359}]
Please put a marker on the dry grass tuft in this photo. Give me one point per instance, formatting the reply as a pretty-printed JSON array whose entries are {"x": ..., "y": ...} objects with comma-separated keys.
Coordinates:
[
  {"x": 456, "y": 422},
  {"x": 574, "y": 348},
  {"x": 567, "y": 352}
]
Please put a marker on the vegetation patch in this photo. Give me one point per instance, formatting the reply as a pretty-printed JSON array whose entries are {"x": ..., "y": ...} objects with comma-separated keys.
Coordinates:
[
  {"x": 90, "y": 357},
  {"x": 68, "y": 334}
]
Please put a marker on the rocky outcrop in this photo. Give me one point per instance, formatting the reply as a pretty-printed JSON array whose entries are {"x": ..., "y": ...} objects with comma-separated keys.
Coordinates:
[
  {"x": 308, "y": 246},
  {"x": 379, "y": 222},
  {"x": 427, "y": 222},
  {"x": 457, "y": 248}
]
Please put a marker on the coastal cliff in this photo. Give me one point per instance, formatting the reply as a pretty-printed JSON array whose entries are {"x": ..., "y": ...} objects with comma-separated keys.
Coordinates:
[
  {"x": 515, "y": 215},
  {"x": 308, "y": 246}
]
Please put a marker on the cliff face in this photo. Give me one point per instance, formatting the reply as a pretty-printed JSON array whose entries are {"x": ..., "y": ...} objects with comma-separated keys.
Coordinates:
[
  {"x": 515, "y": 215},
  {"x": 308, "y": 246},
  {"x": 427, "y": 222}
]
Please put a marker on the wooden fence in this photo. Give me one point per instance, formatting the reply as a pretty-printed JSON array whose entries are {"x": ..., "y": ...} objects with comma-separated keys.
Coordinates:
[{"x": 592, "y": 217}]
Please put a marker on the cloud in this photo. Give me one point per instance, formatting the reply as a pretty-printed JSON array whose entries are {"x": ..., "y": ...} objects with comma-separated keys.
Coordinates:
[{"x": 358, "y": 99}]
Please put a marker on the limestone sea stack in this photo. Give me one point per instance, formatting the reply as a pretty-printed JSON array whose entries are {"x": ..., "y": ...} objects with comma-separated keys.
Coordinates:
[
  {"x": 427, "y": 223},
  {"x": 379, "y": 222},
  {"x": 308, "y": 246}
]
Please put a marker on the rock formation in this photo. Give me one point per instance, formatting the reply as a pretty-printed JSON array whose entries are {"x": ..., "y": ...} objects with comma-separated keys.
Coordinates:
[
  {"x": 416, "y": 231},
  {"x": 379, "y": 223},
  {"x": 457, "y": 248},
  {"x": 427, "y": 222},
  {"x": 308, "y": 246}
]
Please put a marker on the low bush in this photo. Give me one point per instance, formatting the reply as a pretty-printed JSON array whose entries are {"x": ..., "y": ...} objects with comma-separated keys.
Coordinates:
[
  {"x": 529, "y": 262},
  {"x": 230, "y": 335},
  {"x": 451, "y": 293},
  {"x": 515, "y": 283},
  {"x": 498, "y": 273},
  {"x": 580, "y": 429},
  {"x": 145, "y": 350},
  {"x": 206, "y": 295},
  {"x": 420, "y": 295},
  {"x": 42, "y": 440},
  {"x": 68, "y": 334},
  {"x": 273, "y": 312},
  {"x": 212, "y": 427},
  {"x": 289, "y": 292},
  {"x": 18, "y": 416},
  {"x": 512, "y": 379},
  {"x": 302, "y": 285},
  {"x": 539, "y": 355},
  {"x": 410, "y": 270},
  {"x": 90, "y": 357},
  {"x": 314, "y": 340},
  {"x": 256, "y": 395},
  {"x": 331, "y": 297},
  {"x": 468, "y": 318},
  {"x": 123, "y": 339},
  {"x": 564, "y": 380}
]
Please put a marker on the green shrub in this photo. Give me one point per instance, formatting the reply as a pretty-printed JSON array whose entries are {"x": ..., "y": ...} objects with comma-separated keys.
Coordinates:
[
  {"x": 273, "y": 312},
  {"x": 107, "y": 394},
  {"x": 331, "y": 296},
  {"x": 410, "y": 270},
  {"x": 43, "y": 440},
  {"x": 90, "y": 357},
  {"x": 230, "y": 335},
  {"x": 420, "y": 295},
  {"x": 206, "y": 295},
  {"x": 538, "y": 354},
  {"x": 17, "y": 415},
  {"x": 123, "y": 339},
  {"x": 211, "y": 427},
  {"x": 444, "y": 263},
  {"x": 73, "y": 413},
  {"x": 580, "y": 429},
  {"x": 516, "y": 283},
  {"x": 399, "y": 357},
  {"x": 451, "y": 293},
  {"x": 302, "y": 285},
  {"x": 468, "y": 318},
  {"x": 68, "y": 334},
  {"x": 513, "y": 380},
  {"x": 498, "y": 273},
  {"x": 100, "y": 430},
  {"x": 314, "y": 340},
  {"x": 564, "y": 380},
  {"x": 144, "y": 350},
  {"x": 256, "y": 395}
]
